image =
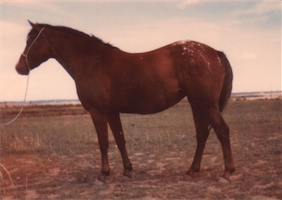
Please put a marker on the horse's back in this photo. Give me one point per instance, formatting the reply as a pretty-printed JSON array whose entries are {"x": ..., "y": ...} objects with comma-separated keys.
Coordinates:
[{"x": 153, "y": 81}]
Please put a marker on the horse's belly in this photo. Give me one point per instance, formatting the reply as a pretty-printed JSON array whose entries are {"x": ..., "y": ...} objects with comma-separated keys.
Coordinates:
[{"x": 149, "y": 104}]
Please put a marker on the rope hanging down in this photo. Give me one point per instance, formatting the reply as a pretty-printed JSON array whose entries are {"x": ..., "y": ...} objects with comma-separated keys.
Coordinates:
[
  {"x": 26, "y": 59},
  {"x": 24, "y": 102}
]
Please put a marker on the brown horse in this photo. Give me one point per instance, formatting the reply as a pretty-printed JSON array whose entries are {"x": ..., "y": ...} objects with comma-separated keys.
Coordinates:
[{"x": 110, "y": 81}]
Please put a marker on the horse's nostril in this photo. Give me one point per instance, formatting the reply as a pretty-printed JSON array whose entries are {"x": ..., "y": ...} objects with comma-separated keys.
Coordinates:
[{"x": 22, "y": 70}]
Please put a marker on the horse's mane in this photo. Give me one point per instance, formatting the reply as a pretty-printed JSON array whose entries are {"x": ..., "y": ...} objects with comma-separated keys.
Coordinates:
[{"x": 75, "y": 33}]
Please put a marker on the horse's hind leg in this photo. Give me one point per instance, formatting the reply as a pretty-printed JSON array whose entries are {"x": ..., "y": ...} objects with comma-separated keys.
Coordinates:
[
  {"x": 115, "y": 124},
  {"x": 222, "y": 132},
  {"x": 202, "y": 133}
]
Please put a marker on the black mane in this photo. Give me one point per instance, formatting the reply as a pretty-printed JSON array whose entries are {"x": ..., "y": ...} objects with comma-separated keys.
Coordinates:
[{"x": 75, "y": 33}]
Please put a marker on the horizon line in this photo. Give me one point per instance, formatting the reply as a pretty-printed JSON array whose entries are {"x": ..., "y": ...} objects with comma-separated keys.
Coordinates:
[{"x": 78, "y": 101}]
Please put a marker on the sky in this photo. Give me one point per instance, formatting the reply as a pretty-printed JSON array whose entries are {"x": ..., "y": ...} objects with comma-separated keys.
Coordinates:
[{"x": 247, "y": 31}]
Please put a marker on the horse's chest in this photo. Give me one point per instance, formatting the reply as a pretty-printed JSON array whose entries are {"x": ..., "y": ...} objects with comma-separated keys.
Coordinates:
[{"x": 94, "y": 94}]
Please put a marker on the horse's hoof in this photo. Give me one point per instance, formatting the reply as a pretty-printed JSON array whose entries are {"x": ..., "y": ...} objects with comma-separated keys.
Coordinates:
[
  {"x": 102, "y": 177},
  {"x": 191, "y": 173},
  {"x": 125, "y": 179},
  {"x": 226, "y": 177},
  {"x": 98, "y": 182},
  {"x": 224, "y": 180},
  {"x": 128, "y": 174}
]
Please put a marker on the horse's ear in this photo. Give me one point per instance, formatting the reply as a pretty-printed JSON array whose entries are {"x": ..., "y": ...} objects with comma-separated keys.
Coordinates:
[{"x": 31, "y": 24}]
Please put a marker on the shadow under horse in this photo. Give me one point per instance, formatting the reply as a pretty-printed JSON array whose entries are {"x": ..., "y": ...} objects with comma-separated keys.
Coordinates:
[{"x": 110, "y": 81}]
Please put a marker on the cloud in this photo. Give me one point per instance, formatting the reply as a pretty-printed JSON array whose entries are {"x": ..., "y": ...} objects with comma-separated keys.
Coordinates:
[
  {"x": 46, "y": 5},
  {"x": 13, "y": 37},
  {"x": 262, "y": 7},
  {"x": 184, "y": 4},
  {"x": 249, "y": 55},
  {"x": 12, "y": 30},
  {"x": 265, "y": 7}
]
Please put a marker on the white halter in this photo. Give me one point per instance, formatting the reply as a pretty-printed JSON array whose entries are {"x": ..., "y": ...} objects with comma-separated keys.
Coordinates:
[{"x": 25, "y": 55}]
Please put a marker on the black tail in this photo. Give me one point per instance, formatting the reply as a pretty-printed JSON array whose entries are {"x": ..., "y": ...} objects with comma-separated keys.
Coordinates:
[{"x": 227, "y": 85}]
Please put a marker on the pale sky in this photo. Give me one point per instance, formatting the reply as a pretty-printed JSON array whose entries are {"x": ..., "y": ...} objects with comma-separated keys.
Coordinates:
[{"x": 248, "y": 32}]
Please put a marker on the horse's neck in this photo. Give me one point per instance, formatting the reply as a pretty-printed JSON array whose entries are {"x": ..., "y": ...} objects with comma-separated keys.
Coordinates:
[{"x": 71, "y": 53}]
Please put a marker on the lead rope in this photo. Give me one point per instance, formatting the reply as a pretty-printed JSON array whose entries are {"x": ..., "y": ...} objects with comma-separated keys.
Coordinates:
[{"x": 24, "y": 102}]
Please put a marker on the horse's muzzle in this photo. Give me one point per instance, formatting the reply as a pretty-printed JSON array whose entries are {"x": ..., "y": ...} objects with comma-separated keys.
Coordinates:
[{"x": 22, "y": 70}]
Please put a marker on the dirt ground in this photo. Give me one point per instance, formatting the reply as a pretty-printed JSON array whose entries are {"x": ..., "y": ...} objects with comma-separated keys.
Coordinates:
[{"x": 57, "y": 156}]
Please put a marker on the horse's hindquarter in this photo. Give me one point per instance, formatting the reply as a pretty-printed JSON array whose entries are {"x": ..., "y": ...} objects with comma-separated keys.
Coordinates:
[{"x": 201, "y": 72}]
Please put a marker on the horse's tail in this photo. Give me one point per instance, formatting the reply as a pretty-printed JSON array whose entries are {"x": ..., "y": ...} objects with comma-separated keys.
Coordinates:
[{"x": 227, "y": 85}]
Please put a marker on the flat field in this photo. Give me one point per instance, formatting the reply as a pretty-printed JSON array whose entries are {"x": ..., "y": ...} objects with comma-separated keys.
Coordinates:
[{"x": 51, "y": 152}]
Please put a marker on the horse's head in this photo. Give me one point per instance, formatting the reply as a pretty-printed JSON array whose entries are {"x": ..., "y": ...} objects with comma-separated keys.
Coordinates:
[{"x": 37, "y": 50}]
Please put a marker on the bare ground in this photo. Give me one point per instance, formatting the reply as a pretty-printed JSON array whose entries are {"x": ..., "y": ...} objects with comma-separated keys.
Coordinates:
[{"x": 57, "y": 157}]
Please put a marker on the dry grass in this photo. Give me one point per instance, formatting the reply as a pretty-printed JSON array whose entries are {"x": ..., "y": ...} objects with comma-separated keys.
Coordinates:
[{"x": 57, "y": 156}]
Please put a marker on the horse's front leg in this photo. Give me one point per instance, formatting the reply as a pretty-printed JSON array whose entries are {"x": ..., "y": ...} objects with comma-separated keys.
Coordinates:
[
  {"x": 115, "y": 124},
  {"x": 100, "y": 123}
]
